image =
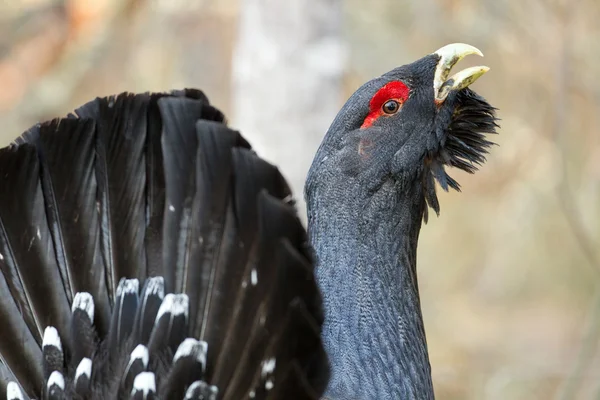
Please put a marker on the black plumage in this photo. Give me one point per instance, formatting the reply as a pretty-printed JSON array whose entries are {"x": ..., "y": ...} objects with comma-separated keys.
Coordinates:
[
  {"x": 147, "y": 252},
  {"x": 368, "y": 192},
  {"x": 462, "y": 132}
]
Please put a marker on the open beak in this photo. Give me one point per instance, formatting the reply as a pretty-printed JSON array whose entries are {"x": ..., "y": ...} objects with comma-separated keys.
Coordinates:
[{"x": 450, "y": 55}]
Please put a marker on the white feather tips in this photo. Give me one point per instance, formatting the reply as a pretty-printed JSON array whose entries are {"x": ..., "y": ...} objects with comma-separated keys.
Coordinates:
[
  {"x": 191, "y": 347},
  {"x": 56, "y": 378},
  {"x": 139, "y": 353},
  {"x": 254, "y": 277},
  {"x": 199, "y": 388},
  {"x": 84, "y": 369},
  {"x": 144, "y": 382},
  {"x": 128, "y": 286},
  {"x": 51, "y": 338},
  {"x": 13, "y": 391},
  {"x": 175, "y": 304},
  {"x": 268, "y": 366},
  {"x": 85, "y": 302},
  {"x": 155, "y": 286},
  {"x": 191, "y": 390}
]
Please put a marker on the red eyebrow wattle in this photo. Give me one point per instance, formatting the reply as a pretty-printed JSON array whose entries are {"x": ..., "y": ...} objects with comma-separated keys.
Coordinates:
[{"x": 392, "y": 90}]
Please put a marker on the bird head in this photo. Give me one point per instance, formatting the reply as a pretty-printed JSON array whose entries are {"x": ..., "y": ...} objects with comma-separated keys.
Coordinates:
[{"x": 408, "y": 124}]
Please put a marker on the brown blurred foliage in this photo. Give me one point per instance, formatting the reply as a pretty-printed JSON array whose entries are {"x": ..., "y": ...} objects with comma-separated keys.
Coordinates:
[{"x": 509, "y": 273}]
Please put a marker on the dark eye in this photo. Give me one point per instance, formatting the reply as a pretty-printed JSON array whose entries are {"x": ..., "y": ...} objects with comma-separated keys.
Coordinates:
[{"x": 391, "y": 107}]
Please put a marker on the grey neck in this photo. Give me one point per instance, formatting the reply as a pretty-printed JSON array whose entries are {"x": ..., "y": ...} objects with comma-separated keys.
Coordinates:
[{"x": 366, "y": 246}]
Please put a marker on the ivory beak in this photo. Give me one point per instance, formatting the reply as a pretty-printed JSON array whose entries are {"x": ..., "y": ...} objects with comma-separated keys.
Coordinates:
[{"x": 449, "y": 56}]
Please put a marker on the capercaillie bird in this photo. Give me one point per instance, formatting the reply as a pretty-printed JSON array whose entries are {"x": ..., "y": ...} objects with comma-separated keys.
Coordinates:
[{"x": 148, "y": 253}]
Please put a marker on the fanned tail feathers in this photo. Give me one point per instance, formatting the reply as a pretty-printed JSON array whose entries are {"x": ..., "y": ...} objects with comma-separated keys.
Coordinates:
[{"x": 148, "y": 253}]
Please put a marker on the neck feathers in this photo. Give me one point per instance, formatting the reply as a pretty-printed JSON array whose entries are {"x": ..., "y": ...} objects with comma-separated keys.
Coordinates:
[{"x": 366, "y": 268}]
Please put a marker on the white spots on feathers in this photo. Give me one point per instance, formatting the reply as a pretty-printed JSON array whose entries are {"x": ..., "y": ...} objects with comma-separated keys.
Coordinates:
[
  {"x": 51, "y": 338},
  {"x": 139, "y": 353},
  {"x": 252, "y": 394},
  {"x": 13, "y": 391},
  {"x": 155, "y": 286},
  {"x": 38, "y": 234},
  {"x": 144, "y": 382},
  {"x": 200, "y": 387},
  {"x": 56, "y": 378},
  {"x": 268, "y": 366},
  {"x": 128, "y": 286},
  {"x": 191, "y": 347},
  {"x": 254, "y": 277},
  {"x": 171, "y": 208},
  {"x": 189, "y": 393},
  {"x": 85, "y": 302},
  {"x": 269, "y": 384},
  {"x": 175, "y": 304},
  {"x": 84, "y": 368},
  {"x": 1, "y": 256}
]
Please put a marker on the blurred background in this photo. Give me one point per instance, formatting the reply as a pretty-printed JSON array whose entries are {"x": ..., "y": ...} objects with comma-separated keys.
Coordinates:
[{"x": 509, "y": 273}]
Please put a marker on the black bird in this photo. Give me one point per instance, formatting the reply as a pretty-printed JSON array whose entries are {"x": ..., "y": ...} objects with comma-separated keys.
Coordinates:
[
  {"x": 368, "y": 190},
  {"x": 147, "y": 252}
]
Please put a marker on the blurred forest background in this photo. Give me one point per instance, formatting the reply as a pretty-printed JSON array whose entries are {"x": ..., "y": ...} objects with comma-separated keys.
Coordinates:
[{"x": 509, "y": 273}]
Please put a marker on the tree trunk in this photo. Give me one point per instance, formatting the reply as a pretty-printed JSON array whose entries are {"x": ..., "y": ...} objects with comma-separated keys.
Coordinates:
[{"x": 288, "y": 67}]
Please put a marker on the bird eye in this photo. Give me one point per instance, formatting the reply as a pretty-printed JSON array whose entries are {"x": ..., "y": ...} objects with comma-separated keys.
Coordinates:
[{"x": 391, "y": 107}]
